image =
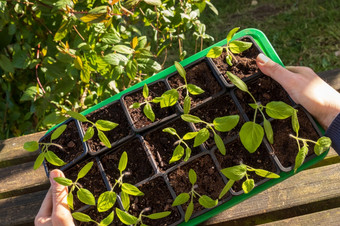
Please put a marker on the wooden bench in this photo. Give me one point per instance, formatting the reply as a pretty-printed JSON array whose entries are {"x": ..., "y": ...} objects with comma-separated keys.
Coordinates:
[{"x": 312, "y": 196}]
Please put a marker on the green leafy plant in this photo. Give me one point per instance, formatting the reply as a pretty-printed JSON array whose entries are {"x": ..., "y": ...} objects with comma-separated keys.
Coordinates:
[
  {"x": 129, "y": 219},
  {"x": 203, "y": 200},
  {"x": 236, "y": 173},
  {"x": 83, "y": 194},
  {"x": 232, "y": 47},
  {"x": 50, "y": 156},
  {"x": 107, "y": 199},
  {"x": 251, "y": 133},
  {"x": 222, "y": 124},
  {"x": 179, "y": 149},
  {"x": 86, "y": 218},
  {"x": 100, "y": 125}
]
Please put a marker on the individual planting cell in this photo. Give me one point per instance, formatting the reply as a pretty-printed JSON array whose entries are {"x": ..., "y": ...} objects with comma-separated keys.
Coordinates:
[
  {"x": 162, "y": 144},
  {"x": 113, "y": 113},
  {"x": 138, "y": 118},
  {"x": 236, "y": 154},
  {"x": 138, "y": 167},
  {"x": 200, "y": 75}
]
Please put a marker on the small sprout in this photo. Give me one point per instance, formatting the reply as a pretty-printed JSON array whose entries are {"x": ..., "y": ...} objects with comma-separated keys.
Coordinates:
[
  {"x": 100, "y": 125},
  {"x": 251, "y": 133},
  {"x": 129, "y": 219},
  {"x": 179, "y": 150},
  {"x": 232, "y": 47},
  {"x": 83, "y": 194},
  {"x": 222, "y": 124},
  {"x": 86, "y": 218},
  {"x": 50, "y": 156},
  {"x": 203, "y": 200},
  {"x": 236, "y": 173}
]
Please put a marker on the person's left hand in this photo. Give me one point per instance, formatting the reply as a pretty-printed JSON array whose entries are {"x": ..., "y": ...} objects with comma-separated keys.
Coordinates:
[{"x": 54, "y": 209}]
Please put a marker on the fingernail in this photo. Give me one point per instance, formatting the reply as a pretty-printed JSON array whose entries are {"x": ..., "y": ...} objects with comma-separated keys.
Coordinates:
[
  {"x": 262, "y": 59},
  {"x": 53, "y": 174}
]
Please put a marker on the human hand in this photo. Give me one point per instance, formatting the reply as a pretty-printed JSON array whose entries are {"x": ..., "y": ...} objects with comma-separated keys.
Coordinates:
[
  {"x": 305, "y": 88},
  {"x": 54, "y": 209}
]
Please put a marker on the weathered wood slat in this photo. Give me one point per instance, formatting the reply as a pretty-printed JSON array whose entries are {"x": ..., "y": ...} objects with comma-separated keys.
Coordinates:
[{"x": 310, "y": 191}]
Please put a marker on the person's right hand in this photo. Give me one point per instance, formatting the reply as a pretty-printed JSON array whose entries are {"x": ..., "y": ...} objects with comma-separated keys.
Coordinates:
[{"x": 305, "y": 88}]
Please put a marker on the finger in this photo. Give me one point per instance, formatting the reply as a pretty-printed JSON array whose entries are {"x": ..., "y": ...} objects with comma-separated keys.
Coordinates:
[
  {"x": 44, "y": 215},
  {"x": 295, "y": 69}
]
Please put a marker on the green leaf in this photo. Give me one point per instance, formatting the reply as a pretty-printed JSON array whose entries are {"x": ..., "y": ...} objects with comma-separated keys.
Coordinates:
[
  {"x": 58, "y": 132},
  {"x": 63, "y": 181},
  {"x": 81, "y": 217},
  {"x": 123, "y": 162},
  {"x": 149, "y": 112},
  {"x": 115, "y": 59},
  {"x": 235, "y": 172},
  {"x": 107, "y": 220},
  {"x": 251, "y": 135},
  {"x": 160, "y": 215},
  {"x": 86, "y": 196},
  {"x": 322, "y": 144},
  {"x": 180, "y": 70},
  {"x": 126, "y": 218},
  {"x": 131, "y": 189},
  {"x": 226, "y": 123},
  {"x": 77, "y": 116},
  {"x": 177, "y": 155},
  {"x": 145, "y": 91},
  {"x": 279, "y": 110},
  {"x": 229, "y": 60},
  {"x": 169, "y": 98},
  {"x": 6, "y": 64},
  {"x": 153, "y": 2},
  {"x": 38, "y": 161},
  {"x": 105, "y": 125},
  {"x": 187, "y": 154},
  {"x": 237, "y": 82},
  {"x": 70, "y": 200},
  {"x": 85, "y": 75},
  {"x": 54, "y": 159},
  {"x": 201, "y": 137},
  {"x": 29, "y": 94},
  {"x": 132, "y": 69},
  {"x": 88, "y": 134},
  {"x": 207, "y": 202},
  {"x": 215, "y": 52},
  {"x": 194, "y": 90},
  {"x": 190, "y": 135},
  {"x": 191, "y": 118},
  {"x": 125, "y": 200},
  {"x": 265, "y": 173},
  {"x": 239, "y": 46},
  {"x": 111, "y": 38},
  {"x": 192, "y": 176},
  {"x": 94, "y": 17},
  {"x": 300, "y": 157},
  {"x": 135, "y": 105},
  {"x": 62, "y": 31},
  {"x": 219, "y": 143},
  {"x": 170, "y": 130},
  {"x": 248, "y": 185},
  {"x": 103, "y": 138},
  {"x": 212, "y": 7},
  {"x": 269, "y": 131},
  {"x": 82, "y": 173},
  {"x": 106, "y": 201},
  {"x": 186, "y": 104},
  {"x": 295, "y": 122},
  {"x": 226, "y": 188},
  {"x": 181, "y": 199},
  {"x": 31, "y": 146},
  {"x": 254, "y": 106},
  {"x": 232, "y": 33},
  {"x": 189, "y": 211},
  {"x": 122, "y": 49}
]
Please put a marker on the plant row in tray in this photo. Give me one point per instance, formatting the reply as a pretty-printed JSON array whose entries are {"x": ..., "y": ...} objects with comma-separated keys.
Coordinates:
[{"x": 161, "y": 158}]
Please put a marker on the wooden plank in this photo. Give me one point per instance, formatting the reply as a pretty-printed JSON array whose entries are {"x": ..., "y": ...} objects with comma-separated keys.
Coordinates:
[
  {"x": 21, "y": 210},
  {"x": 22, "y": 179},
  {"x": 309, "y": 191},
  {"x": 327, "y": 217},
  {"x": 12, "y": 151}
]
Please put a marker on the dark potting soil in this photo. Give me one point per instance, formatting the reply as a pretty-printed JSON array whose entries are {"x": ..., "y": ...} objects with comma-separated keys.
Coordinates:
[
  {"x": 71, "y": 143},
  {"x": 209, "y": 182},
  {"x": 237, "y": 154},
  {"x": 219, "y": 107},
  {"x": 264, "y": 90},
  {"x": 98, "y": 217},
  {"x": 113, "y": 113},
  {"x": 244, "y": 64},
  {"x": 158, "y": 198},
  {"x": 201, "y": 76},
  {"x": 138, "y": 166},
  {"x": 93, "y": 181},
  {"x": 162, "y": 144},
  {"x": 138, "y": 118},
  {"x": 285, "y": 147}
]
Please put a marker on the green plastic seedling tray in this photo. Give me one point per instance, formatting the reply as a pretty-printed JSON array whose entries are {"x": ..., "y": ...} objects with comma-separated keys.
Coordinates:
[{"x": 268, "y": 50}]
